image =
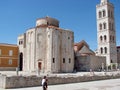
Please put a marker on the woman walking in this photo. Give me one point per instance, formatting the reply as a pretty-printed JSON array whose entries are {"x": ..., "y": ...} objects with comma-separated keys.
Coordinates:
[{"x": 44, "y": 83}]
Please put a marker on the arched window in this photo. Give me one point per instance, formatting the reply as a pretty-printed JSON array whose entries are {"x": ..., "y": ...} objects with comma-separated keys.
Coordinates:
[
  {"x": 105, "y": 49},
  {"x": 100, "y": 26},
  {"x": 105, "y": 38},
  {"x": 101, "y": 38},
  {"x": 104, "y": 13},
  {"x": 104, "y": 25},
  {"x": 100, "y": 14},
  {"x": 101, "y": 49}
]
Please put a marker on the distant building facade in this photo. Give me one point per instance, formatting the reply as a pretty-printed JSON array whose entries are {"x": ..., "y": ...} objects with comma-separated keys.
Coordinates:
[
  {"x": 8, "y": 56},
  {"x": 106, "y": 33},
  {"x": 47, "y": 47},
  {"x": 85, "y": 59}
]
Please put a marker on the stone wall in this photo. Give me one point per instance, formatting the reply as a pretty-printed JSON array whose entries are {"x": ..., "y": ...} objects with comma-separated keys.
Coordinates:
[
  {"x": 30, "y": 81},
  {"x": 85, "y": 63},
  {"x": 96, "y": 63}
]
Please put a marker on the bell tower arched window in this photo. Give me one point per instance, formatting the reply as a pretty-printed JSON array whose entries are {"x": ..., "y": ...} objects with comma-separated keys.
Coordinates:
[
  {"x": 100, "y": 14},
  {"x": 105, "y": 49},
  {"x": 100, "y": 26},
  {"x": 104, "y": 13},
  {"x": 104, "y": 25},
  {"x": 105, "y": 38},
  {"x": 101, "y": 49},
  {"x": 101, "y": 38}
]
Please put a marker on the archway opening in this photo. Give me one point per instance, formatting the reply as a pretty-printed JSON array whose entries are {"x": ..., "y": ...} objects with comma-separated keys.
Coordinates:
[{"x": 21, "y": 61}]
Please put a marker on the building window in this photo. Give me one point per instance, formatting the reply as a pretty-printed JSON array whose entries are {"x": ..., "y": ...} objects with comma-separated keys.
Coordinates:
[
  {"x": 101, "y": 38},
  {"x": 53, "y": 60},
  {"x": 117, "y": 50},
  {"x": 100, "y": 14},
  {"x": 0, "y": 52},
  {"x": 10, "y": 52},
  {"x": 20, "y": 42},
  {"x": 105, "y": 38},
  {"x": 101, "y": 49},
  {"x": 63, "y": 60},
  {"x": 104, "y": 25},
  {"x": 100, "y": 26},
  {"x": 69, "y": 60},
  {"x": 68, "y": 37},
  {"x": 104, "y": 13},
  {"x": 10, "y": 62},
  {"x": 105, "y": 49}
]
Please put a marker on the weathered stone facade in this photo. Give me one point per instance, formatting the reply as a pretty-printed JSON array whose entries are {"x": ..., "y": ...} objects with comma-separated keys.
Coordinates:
[{"x": 47, "y": 47}]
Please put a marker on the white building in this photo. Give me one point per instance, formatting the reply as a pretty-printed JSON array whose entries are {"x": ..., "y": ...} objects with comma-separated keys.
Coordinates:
[
  {"x": 47, "y": 47},
  {"x": 106, "y": 33}
]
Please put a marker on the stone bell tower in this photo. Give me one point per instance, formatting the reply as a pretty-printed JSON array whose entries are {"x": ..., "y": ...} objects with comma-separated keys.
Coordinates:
[
  {"x": 106, "y": 33},
  {"x": 102, "y": 1}
]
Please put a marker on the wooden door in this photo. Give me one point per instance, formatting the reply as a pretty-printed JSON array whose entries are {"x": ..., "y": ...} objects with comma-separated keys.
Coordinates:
[{"x": 39, "y": 65}]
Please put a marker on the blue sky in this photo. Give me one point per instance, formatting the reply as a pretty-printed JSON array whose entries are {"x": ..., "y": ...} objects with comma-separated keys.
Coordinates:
[{"x": 16, "y": 16}]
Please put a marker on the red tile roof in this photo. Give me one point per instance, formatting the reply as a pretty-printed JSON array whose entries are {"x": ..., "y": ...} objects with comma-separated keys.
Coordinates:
[{"x": 81, "y": 44}]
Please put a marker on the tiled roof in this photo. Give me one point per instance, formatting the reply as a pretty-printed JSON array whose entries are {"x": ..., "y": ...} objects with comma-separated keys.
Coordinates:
[
  {"x": 83, "y": 48},
  {"x": 81, "y": 44}
]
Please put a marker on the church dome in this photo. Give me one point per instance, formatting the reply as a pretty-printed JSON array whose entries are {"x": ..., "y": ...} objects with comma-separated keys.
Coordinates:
[{"x": 47, "y": 21}]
